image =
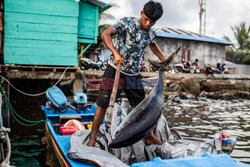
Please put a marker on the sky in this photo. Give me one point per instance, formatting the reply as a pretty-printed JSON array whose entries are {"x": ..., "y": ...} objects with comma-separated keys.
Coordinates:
[{"x": 221, "y": 15}]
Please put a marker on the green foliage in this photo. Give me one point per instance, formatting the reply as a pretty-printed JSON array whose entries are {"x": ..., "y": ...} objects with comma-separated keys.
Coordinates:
[
  {"x": 226, "y": 38},
  {"x": 240, "y": 53},
  {"x": 238, "y": 56},
  {"x": 100, "y": 43},
  {"x": 246, "y": 59},
  {"x": 242, "y": 34},
  {"x": 102, "y": 28},
  {"x": 103, "y": 19}
]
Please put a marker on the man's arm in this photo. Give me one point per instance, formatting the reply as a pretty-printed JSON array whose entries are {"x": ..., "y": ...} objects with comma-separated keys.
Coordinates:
[
  {"x": 156, "y": 50},
  {"x": 107, "y": 39}
]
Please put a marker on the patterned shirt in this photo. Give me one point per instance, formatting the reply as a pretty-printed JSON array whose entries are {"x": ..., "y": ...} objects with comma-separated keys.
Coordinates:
[{"x": 131, "y": 42}]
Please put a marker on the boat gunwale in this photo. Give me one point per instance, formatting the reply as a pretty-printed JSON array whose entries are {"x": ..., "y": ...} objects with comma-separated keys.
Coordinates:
[
  {"x": 63, "y": 161},
  {"x": 62, "y": 158}
]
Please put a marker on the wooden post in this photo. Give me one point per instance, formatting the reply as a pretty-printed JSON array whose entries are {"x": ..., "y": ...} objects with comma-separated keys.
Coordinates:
[
  {"x": 109, "y": 116},
  {"x": 77, "y": 86}
]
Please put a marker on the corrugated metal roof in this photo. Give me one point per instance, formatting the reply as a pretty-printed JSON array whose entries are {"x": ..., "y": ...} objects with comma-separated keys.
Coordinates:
[
  {"x": 103, "y": 6},
  {"x": 188, "y": 35}
]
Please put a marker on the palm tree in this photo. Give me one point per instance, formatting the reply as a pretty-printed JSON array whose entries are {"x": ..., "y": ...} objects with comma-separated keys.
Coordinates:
[
  {"x": 102, "y": 28},
  {"x": 104, "y": 17},
  {"x": 241, "y": 52},
  {"x": 231, "y": 47},
  {"x": 242, "y": 35}
]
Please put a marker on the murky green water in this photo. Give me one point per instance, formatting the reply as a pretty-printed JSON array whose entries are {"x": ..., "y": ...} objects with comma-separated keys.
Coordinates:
[
  {"x": 26, "y": 146},
  {"x": 200, "y": 120},
  {"x": 196, "y": 121}
]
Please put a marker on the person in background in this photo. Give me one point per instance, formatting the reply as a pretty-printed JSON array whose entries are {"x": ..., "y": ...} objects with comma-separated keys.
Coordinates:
[
  {"x": 209, "y": 70},
  {"x": 186, "y": 63},
  {"x": 196, "y": 66},
  {"x": 195, "y": 62},
  {"x": 223, "y": 68},
  {"x": 220, "y": 68}
]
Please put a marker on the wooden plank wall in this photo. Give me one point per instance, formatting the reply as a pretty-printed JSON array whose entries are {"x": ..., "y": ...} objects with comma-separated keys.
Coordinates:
[
  {"x": 88, "y": 23},
  {"x": 41, "y": 32}
]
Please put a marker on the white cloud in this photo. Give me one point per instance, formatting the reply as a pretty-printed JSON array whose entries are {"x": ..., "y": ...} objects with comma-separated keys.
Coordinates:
[{"x": 184, "y": 14}]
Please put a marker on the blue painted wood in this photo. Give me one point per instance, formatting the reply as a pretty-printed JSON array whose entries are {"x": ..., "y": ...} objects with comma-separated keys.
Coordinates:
[
  {"x": 38, "y": 18},
  {"x": 36, "y": 38},
  {"x": 38, "y": 27},
  {"x": 87, "y": 32},
  {"x": 47, "y": 7},
  {"x": 19, "y": 34},
  {"x": 87, "y": 11},
  {"x": 46, "y": 32},
  {"x": 39, "y": 44},
  {"x": 42, "y": 60},
  {"x": 88, "y": 21},
  {"x": 86, "y": 40},
  {"x": 52, "y": 52},
  {"x": 97, "y": 24}
]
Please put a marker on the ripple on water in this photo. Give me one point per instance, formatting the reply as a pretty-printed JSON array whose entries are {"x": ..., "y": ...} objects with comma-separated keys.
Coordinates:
[{"x": 231, "y": 117}]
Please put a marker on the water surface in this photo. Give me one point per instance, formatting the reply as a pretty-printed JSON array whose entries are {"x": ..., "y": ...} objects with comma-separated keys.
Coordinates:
[{"x": 200, "y": 120}]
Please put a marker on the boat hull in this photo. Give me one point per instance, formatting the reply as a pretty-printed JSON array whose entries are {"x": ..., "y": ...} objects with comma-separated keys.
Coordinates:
[
  {"x": 61, "y": 143},
  {"x": 63, "y": 162}
]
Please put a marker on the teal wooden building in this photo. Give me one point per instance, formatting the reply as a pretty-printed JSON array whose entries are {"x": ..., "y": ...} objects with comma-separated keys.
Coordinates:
[{"x": 48, "y": 32}]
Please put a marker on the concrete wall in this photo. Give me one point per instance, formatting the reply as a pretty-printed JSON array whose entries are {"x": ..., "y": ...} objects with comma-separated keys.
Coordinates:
[
  {"x": 243, "y": 69},
  {"x": 207, "y": 53}
]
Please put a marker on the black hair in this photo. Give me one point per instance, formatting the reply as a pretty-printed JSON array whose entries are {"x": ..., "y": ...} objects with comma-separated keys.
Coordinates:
[{"x": 153, "y": 10}]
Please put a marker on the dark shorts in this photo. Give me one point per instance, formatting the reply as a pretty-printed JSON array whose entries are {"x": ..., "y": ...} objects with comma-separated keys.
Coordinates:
[{"x": 131, "y": 85}]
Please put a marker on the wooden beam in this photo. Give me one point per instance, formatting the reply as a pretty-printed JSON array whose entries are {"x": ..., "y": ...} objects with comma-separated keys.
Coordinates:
[{"x": 39, "y": 75}]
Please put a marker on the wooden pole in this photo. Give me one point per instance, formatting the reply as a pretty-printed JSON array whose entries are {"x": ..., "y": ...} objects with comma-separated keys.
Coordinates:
[{"x": 109, "y": 116}]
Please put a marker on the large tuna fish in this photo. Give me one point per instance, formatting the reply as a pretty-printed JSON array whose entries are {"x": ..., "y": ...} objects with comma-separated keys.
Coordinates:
[{"x": 144, "y": 116}]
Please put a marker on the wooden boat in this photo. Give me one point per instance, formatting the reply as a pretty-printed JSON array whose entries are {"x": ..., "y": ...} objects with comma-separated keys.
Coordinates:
[
  {"x": 55, "y": 118},
  {"x": 61, "y": 143}
]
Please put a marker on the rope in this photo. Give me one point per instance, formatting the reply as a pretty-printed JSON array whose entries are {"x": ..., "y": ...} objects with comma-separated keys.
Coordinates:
[
  {"x": 15, "y": 115},
  {"x": 38, "y": 94},
  {"x": 165, "y": 105},
  {"x": 6, "y": 161},
  {"x": 131, "y": 75},
  {"x": 147, "y": 92}
]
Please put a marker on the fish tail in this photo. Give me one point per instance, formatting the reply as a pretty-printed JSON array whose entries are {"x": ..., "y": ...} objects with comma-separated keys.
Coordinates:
[
  {"x": 166, "y": 63},
  {"x": 170, "y": 58}
]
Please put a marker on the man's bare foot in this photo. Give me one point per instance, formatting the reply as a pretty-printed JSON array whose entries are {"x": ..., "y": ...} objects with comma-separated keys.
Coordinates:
[
  {"x": 91, "y": 143},
  {"x": 152, "y": 139},
  {"x": 99, "y": 115}
]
